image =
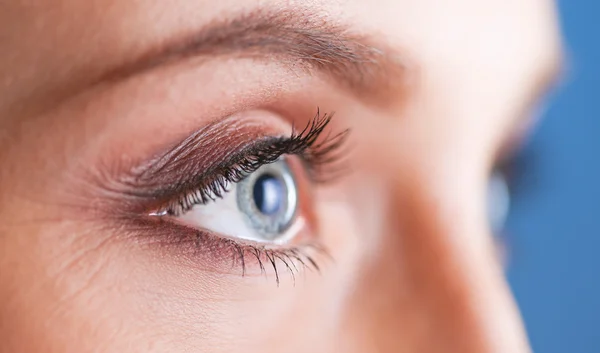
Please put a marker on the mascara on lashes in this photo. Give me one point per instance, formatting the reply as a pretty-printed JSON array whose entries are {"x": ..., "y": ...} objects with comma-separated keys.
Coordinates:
[{"x": 189, "y": 167}]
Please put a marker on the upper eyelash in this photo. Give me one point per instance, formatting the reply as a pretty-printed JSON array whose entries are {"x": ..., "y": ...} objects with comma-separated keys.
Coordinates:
[{"x": 268, "y": 150}]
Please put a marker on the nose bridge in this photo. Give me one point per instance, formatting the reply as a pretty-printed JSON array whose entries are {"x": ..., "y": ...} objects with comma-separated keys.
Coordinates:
[{"x": 436, "y": 285}]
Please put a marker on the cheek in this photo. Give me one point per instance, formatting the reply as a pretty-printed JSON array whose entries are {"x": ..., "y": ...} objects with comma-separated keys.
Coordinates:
[
  {"x": 215, "y": 312},
  {"x": 72, "y": 289},
  {"x": 64, "y": 291}
]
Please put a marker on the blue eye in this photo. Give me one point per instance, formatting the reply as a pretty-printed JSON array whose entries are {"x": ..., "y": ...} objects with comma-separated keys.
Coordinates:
[
  {"x": 268, "y": 199},
  {"x": 498, "y": 201},
  {"x": 269, "y": 194}
]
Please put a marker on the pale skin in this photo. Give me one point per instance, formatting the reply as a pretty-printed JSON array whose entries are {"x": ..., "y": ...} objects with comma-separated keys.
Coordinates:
[{"x": 412, "y": 266}]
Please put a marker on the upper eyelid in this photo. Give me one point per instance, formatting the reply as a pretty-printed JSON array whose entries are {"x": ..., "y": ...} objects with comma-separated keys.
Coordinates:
[
  {"x": 199, "y": 151},
  {"x": 191, "y": 174},
  {"x": 222, "y": 129},
  {"x": 234, "y": 135},
  {"x": 197, "y": 163}
]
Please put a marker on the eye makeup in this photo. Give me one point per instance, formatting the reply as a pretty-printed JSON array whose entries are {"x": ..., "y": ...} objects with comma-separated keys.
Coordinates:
[
  {"x": 214, "y": 182},
  {"x": 203, "y": 168}
]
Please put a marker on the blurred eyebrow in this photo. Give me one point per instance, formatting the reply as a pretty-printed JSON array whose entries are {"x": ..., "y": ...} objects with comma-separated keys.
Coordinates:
[{"x": 294, "y": 38}]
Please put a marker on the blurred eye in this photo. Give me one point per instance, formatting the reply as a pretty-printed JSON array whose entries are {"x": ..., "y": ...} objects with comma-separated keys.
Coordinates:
[
  {"x": 262, "y": 207},
  {"x": 499, "y": 200},
  {"x": 509, "y": 183}
]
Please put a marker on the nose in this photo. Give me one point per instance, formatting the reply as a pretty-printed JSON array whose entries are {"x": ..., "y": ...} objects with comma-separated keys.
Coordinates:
[{"x": 434, "y": 282}]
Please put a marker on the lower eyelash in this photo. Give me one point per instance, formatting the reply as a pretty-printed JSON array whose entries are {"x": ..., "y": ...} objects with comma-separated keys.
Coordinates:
[
  {"x": 204, "y": 245},
  {"x": 292, "y": 260}
]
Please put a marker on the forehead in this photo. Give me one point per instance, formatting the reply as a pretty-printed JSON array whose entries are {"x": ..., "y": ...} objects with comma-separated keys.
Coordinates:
[{"x": 468, "y": 55}]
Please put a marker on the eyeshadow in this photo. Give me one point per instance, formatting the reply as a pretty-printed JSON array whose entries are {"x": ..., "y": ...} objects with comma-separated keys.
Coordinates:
[
  {"x": 225, "y": 152},
  {"x": 205, "y": 151}
]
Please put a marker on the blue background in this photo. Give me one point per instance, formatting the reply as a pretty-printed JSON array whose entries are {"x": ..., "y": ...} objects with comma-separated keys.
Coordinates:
[{"x": 554, "y": 225}]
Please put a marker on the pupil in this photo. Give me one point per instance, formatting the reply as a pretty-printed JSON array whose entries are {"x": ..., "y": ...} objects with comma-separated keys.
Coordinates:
[{"x": 267, "y": 194}]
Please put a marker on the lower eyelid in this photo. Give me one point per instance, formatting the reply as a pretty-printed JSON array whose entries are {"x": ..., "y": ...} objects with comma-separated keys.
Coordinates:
[{"x": 210, "y": 252}]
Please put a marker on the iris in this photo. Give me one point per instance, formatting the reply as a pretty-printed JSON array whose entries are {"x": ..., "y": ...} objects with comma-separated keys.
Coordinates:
[{"x": 268, "y": 199}]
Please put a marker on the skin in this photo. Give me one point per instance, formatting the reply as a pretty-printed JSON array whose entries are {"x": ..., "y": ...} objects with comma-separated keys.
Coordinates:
[{"x": 414, "y": 266}]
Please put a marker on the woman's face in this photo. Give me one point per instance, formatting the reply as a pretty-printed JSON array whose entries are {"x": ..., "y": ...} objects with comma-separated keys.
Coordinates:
[{"x": 121, "y": 121}]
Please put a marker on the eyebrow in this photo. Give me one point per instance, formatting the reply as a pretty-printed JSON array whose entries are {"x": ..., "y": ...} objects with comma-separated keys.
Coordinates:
[{"x": 296, "y": 39}]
